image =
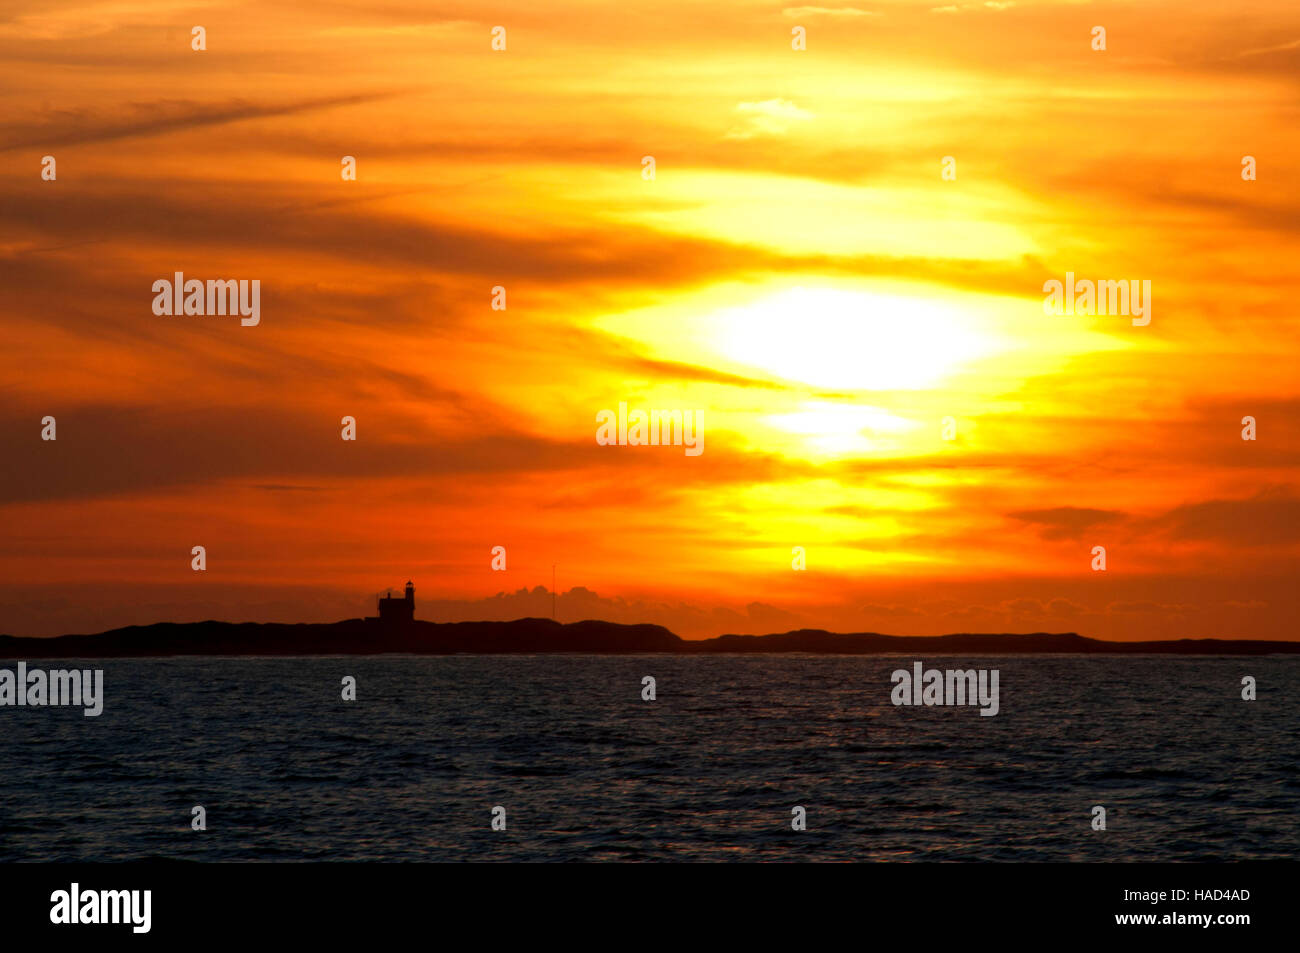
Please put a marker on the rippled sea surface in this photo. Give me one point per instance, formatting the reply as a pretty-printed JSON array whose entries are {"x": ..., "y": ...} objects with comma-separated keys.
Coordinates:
[{"x": 710, "y": 770}]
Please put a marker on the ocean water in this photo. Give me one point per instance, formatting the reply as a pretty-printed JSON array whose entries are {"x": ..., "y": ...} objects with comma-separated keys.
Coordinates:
[{"x": 710, "y": 770}]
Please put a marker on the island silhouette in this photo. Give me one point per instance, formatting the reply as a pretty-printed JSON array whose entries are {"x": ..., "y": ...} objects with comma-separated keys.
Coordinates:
[
  {"x": 396, "y": 631},
  {"x": 383, "y": 636}
]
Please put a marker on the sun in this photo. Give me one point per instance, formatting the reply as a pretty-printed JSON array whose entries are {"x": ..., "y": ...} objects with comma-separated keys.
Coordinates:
[{"x": 850, "y": 340}]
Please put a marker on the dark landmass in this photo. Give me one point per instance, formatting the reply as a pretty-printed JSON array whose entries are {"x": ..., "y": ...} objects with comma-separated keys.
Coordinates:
[{"x": 368, "y": 637}]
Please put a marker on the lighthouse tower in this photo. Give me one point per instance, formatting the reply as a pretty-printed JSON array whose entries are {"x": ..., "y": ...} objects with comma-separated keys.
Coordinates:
[{"x": 395, "y": 610}]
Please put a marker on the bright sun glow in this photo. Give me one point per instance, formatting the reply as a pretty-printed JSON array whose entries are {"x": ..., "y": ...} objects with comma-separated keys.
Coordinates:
[
  {"x": 841, "y": 428},
  {"x": 850, "y": 340}
]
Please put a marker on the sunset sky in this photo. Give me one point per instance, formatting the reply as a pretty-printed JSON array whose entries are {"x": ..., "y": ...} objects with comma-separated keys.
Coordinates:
[{"x": 798, "y": 271}]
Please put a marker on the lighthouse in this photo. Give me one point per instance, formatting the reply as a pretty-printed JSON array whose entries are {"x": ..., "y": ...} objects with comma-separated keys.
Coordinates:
[{"x": 393, "y": 610}]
